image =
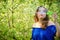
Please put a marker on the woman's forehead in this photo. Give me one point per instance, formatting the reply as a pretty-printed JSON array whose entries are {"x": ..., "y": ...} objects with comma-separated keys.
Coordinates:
[{"x": 42, "y": 10}]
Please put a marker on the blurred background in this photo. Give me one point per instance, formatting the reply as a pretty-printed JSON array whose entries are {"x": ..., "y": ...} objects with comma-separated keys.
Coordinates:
[{"x": 17, "y": 17}]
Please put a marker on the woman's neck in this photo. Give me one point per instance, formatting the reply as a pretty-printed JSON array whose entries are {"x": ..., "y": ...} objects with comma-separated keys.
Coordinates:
[
  {"x": 40, "y": 21},
  {"x": 40, "y": 24}
]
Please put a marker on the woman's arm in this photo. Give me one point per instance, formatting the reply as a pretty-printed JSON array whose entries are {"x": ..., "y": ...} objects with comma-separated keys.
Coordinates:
[
  {"x": 57, "y": 24},
  {"x": 58, "y": 29},
  {"x": 53, "y": 27},
  {"x": 32, "y": 36},
  {"x": 35, "y": 31},
  {"x": 34, "y": 26}
]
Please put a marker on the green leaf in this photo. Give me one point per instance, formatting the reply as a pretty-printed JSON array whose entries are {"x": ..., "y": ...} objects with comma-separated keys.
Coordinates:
[{"x": 49, "y": 13}]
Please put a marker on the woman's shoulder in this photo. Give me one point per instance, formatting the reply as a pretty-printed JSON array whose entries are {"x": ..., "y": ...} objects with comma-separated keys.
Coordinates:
[
  {"x": 52, "y": 26},
  {"x": 51, "y": 23},
  {"x": 36, "y": 25}
]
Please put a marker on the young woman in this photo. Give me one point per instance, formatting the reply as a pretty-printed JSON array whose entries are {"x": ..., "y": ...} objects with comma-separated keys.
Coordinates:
[{"x": 43, "y": 28}]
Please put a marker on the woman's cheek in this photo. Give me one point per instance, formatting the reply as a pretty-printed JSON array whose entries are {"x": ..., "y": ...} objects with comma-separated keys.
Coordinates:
[{"x": 38, "y": 15}]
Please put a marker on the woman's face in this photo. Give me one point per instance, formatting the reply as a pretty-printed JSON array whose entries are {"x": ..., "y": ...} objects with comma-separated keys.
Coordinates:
[{"x": 40, "y": 15}]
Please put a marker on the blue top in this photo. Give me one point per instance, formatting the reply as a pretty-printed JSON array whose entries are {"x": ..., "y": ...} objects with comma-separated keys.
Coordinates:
[{"x": 44, "y": 34}]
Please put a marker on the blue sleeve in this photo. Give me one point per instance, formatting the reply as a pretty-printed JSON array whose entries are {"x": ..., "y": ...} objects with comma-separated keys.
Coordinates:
[
  {"x": 35, "y": 33},
  {"x": 53, "y": 29},
  {"x": 33, "y": 37},
  {"x": 32, "y": 34}
]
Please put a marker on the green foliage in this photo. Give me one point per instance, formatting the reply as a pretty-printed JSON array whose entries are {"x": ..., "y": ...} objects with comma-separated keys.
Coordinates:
[{"x": 16, "y": 17}]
